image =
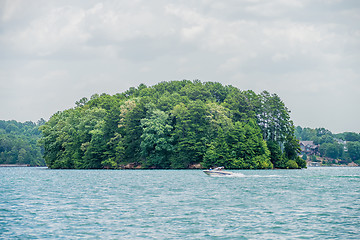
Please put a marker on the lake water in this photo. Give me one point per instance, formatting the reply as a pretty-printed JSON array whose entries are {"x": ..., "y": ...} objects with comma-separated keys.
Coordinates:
[{"x": 316, "y": 203}]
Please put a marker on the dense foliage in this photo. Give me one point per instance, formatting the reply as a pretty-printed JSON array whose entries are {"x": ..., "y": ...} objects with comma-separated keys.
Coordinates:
[
  {"x": 174, "y": 124},
  {"x": 344, "y": 147},
  {"x": 18, "y": 143}
]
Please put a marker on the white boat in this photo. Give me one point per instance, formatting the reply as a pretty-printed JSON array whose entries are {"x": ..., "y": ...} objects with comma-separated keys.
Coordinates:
[{"x": 217, "y": 172}]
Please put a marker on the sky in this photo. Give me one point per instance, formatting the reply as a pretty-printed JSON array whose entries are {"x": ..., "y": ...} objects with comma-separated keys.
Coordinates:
[{"x": 53, "y": 53}]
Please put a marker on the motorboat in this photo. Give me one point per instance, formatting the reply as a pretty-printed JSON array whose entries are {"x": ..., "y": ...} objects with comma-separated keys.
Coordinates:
[{"x": 218, "y": 172}]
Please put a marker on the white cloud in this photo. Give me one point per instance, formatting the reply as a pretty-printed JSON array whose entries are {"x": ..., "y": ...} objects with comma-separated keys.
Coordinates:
[
  {"x": 8, "y": 9},
  {"x": 43, "y": 36},
  {"x": 305, "y": 51},
  {"x": 273, "y": 8},
  {"x": 279, "y": 57}
]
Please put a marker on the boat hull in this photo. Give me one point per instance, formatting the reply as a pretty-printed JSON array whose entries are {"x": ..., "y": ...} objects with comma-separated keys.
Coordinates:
[{"x": 217, "y": 173}]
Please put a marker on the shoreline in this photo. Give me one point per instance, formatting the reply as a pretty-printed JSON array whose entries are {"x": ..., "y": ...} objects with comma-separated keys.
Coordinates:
[{"x": 17, "y": 165}]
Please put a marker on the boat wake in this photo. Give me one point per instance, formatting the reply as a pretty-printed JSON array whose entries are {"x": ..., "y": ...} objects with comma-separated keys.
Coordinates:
[
  {"x": 219, "y": 172},
  {"x": 264, "y": 176},
  {"x": 232, "y": 175},
  {"x": 237, "y": 175},
  {"x": 240, "y": 175}
]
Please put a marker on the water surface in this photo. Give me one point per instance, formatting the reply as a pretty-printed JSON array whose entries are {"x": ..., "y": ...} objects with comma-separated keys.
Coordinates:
[{"x": 316, "y": 203}]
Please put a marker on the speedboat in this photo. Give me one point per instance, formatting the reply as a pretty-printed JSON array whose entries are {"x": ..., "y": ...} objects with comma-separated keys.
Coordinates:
[{"x": 217, "y": 172}]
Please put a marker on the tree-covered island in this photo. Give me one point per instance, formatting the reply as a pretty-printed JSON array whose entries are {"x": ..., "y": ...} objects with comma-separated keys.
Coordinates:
[{"x": 177, "y": 124}]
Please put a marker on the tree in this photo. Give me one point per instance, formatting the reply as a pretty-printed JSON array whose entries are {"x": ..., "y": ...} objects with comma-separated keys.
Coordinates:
[
  {"x": 241, "y": 147},
  {"x": 331, "y": 150},
  {"x": 276, "y": 155},
  {"x": 278, "y": 130},
  {"x": 219, "y": 119},
  {"x": 94, "y": 153},
  {"x": 196, "y": 91},
  {"x": 190, "y": 128},
  {"x": 18, "y": 143},
  {"x": 81, "y": 102},
  {"x": 273, "y": 118},
  {"x": 156, "y": 145},
  {"x": 291, "y": 147},
  {"x": 131, "y": 129},
  {"x": 292, "y": 164},
  {"x": 239, "y": 105},
  {"x": 353, "y": 150},
  {"x": 351, "y": 136},
  {"x": 218, "y": 152}
]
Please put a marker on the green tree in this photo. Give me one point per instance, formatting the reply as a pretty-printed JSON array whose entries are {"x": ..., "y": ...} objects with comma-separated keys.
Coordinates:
[
  {"x": 292, "y": 164},
  {"x": 196, "y": 91},
  {"x": 241, "y": 147},
  {"x": 276, "y": 155},
  {"x": 274, "y": 118},
  {"x": 331, "y": 150},
  {"x": 218, "y": 153},
  {"x": 131, "y": 116},
  {"x": 190, "y": 129},
  {"x": 239, "y": 105},
  {"x": 354, "y": 150},
  {"x": 156, "y": 145},
  {"x": 18, "y": 143},
  {"x": 351, "y": 136}
]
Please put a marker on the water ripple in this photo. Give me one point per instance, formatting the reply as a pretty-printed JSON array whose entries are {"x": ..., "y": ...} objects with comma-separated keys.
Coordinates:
[{"x": 319, "y": 203}]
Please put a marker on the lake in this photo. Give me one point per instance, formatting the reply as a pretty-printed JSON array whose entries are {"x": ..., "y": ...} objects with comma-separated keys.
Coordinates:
[{"x": 313, "y": 203}]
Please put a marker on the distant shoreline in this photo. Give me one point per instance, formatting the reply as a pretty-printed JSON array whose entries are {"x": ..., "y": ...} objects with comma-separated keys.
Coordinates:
[
  {"x": 134, "y": 168},
  {"x": 15, "y": 165}
]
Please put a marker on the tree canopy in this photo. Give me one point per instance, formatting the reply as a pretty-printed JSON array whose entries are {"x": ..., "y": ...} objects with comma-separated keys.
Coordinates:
[
  {"x": 176, "y": 124},
  {"x": 18, "y": 143}
]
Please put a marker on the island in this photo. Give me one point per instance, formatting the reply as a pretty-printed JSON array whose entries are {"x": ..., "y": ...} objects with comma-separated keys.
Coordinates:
[{"x": 173, "y": 125}]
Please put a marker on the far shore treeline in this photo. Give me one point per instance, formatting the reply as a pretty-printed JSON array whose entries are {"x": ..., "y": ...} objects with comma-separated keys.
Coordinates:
[
  {"x": 19, "y": 143},
  {"x": 173, "y": 125}
]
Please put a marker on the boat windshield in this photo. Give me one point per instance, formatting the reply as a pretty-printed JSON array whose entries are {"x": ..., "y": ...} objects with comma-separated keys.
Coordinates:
[{"x": 218, "y": 168}]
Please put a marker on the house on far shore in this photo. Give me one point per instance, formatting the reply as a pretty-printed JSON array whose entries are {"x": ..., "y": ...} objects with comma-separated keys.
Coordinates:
[
  {"x": 313, "y": 164},
  {"x": 308, "y": 147}
]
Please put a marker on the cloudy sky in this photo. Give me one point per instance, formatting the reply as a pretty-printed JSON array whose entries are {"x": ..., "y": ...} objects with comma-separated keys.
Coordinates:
[{"x": 53, "y": 53}]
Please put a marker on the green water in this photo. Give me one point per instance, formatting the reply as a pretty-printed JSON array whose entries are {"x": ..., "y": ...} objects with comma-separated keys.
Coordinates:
[{"x": 316, "y": 203}]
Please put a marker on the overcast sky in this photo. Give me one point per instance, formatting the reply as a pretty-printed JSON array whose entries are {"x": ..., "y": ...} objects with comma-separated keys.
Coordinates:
[{"x": 53, "y": 53}]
